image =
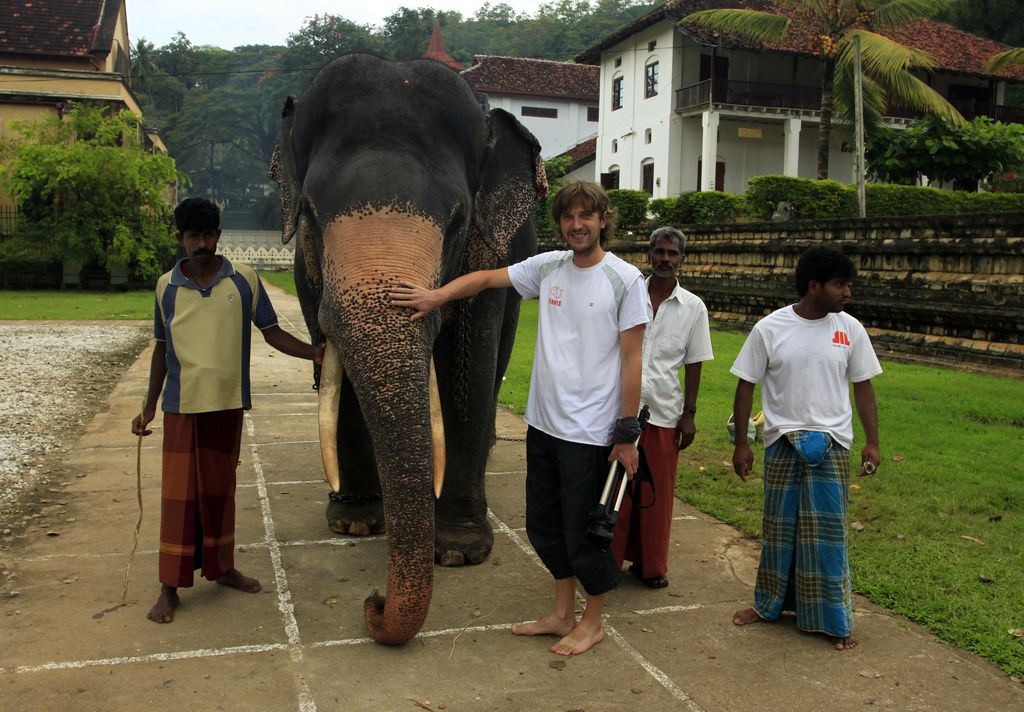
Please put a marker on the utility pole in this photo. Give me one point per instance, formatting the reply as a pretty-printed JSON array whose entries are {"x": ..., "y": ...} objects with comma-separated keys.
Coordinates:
[{"x": 858, "y": 127}]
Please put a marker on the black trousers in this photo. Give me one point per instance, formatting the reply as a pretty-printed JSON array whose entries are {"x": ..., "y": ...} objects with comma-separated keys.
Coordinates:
[{"x": 563, "y": 483}]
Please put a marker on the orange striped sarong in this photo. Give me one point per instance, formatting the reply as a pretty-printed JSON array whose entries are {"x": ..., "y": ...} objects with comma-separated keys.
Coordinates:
[{"x": 197, "y": 503}]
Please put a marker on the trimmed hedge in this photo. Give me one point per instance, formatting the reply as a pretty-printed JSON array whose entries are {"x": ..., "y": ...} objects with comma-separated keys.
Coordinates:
[
  {"x": 710, "y": 207},
  {"x": 809, "y": 198},
  {"x": 630, "y": 206}
]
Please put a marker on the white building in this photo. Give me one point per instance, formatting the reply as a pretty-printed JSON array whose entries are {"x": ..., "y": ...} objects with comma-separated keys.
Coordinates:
[
  {"x": 556, "y": 101},
  {"x": 677, "y": 98}
]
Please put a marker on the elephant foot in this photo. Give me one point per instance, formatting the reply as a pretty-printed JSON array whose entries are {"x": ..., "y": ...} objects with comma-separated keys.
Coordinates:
[
  {"x": 355, "y": 514},
  {"x": 463, "y": 543}
]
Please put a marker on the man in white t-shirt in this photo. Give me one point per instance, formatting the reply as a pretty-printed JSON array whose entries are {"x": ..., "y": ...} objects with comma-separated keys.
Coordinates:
[
  {"x": 805, "y": 355},
  {"x": 584, "y": 397},
  {"x": 678, "y": 337}
]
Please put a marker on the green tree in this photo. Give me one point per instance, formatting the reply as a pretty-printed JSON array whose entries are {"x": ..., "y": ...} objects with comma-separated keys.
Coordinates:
[
  {"x": 85, "y": 184},
  {"x": 887, "y": 64},
  {"x": 996, "y": 19},
  {"x": 966, "y": 154}
]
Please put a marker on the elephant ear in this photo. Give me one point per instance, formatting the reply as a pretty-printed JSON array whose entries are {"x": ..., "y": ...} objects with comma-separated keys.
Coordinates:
[
  {"x": 283, "y": 172},
  {"x": 512, "y": 180}
]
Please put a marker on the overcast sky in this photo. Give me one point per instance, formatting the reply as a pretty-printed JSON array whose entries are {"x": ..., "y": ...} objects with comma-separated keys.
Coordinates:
[{"x": 230, "y": 23}]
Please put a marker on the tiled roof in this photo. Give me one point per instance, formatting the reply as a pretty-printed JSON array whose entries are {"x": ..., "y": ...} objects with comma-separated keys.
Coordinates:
[
  {"x": 581, "y": 153},
  {"x": 533, "y": 77},
  {"x": 951, "y": 49},
  {"x": 437, "y": 52},
  {"x": 65, "y": 28}
]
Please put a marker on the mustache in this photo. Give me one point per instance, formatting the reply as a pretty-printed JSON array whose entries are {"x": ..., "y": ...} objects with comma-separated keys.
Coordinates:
[{"x": 202, "y": 251}]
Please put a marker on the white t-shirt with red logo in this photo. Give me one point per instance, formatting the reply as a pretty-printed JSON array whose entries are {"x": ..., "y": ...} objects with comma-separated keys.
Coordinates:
[
  {"x": 575, "y": 392},
  {"x": 805, "y": 367}
]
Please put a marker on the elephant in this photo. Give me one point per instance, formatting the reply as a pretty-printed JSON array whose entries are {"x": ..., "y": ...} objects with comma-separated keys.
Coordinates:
[{"x": 396, "y": 171}]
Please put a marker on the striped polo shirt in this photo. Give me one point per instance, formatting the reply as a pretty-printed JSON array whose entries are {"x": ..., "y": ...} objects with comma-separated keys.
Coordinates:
[{"x": 208, "y": 337}]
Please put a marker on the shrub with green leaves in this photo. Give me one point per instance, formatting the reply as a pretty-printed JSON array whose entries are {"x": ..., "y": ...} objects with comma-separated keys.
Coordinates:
[
  {"x": 663, "y": 212},
  {"x": 810, "y": 198},
  {"x": 630, "y": 206},
  {"x": 86, "y": 184},
  {"x": 710, "y": 207}
]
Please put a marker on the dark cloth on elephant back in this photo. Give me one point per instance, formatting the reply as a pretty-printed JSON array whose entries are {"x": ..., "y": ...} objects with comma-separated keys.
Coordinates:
[{"x": 197, "y": 500}]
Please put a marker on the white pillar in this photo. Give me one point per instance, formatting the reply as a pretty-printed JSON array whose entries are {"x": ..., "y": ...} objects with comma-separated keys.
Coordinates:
[
  {"x": 791, "y": 148},
  {"x": 709, "y": 150}
]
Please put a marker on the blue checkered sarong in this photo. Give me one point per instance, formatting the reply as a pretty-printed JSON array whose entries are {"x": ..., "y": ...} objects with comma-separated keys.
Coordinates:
[{"x": 805, "y": 565}]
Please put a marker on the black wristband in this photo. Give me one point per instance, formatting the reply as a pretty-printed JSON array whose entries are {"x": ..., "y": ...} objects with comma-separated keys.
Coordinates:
[{"x": 627, "y": 430}]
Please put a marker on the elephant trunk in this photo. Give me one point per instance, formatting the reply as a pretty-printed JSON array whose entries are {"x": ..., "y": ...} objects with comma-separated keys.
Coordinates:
[{"x": 387, "y": 358}]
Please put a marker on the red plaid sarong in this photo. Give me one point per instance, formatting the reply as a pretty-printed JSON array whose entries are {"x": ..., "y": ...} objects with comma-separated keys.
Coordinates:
[{"x": 197, "y": 503}]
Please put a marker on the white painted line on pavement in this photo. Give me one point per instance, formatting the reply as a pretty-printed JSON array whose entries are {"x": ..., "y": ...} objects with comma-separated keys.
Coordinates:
[
  {"x": 663, "y": 679},
  {"x": 669, "y": 609},
  {"x": 282, "y": 415},
  {"x": 654, "y": 672},
  {"x": 284, "y": 595},
  {"x": 507, "y": 472},
  {"x": 334, "y": 542},
  {"x": 289, "y": 442},
  {"x": 283, "y": 483},
  {"x": 152, "y": 657},
  {"x": 685, "y": 516}
]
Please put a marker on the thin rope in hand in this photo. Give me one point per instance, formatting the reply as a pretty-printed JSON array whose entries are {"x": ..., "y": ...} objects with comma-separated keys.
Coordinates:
[{"x": 138, "y": 494}]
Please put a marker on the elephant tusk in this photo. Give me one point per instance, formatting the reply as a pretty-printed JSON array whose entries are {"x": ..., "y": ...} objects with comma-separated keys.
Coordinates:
[
  {"x": 436, "y": 432},
  {"x": 328, "y": 402}
]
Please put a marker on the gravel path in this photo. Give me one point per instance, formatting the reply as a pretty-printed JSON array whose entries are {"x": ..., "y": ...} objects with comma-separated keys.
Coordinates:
[{"x": 53, "y": 377}]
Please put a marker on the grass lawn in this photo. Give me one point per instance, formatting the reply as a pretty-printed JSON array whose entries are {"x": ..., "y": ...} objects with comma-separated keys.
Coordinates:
[
  {"x": 943, "y": 520},
  {"x": 76, "y": 305},
  {"x": 282, "y": 280}
]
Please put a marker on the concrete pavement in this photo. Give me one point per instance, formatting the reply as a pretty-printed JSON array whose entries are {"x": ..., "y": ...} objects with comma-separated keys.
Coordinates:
[{"x": 67, "y": 644}]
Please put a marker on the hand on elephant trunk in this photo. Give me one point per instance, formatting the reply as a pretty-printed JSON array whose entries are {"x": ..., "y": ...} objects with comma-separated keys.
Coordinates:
[
  {"x": 424, "y": 300},
  {"x": 420, "y": 299}
]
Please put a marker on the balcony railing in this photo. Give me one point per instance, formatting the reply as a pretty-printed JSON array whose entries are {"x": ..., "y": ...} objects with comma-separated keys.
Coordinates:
[
  {"x": 752, "y": 94},
  {"x": 757, "y": 95}
]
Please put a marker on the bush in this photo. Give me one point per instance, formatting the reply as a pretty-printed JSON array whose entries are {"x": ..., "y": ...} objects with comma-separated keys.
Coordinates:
[
  {"x": 663, "y": 212},
  {"x": 710, "y": 207},
  {"x": 896, "y": 200},
  {"x": 809, "y": 198},
  {"x": 630, "y": 206}
]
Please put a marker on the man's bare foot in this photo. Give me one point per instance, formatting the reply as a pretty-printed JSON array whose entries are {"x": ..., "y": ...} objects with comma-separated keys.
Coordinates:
[
  {"x": 582, "y": 638},
  {"x": 846, "y": 643},
  {"x": 550, "y": 624},
  {"x": 235, "y": 579},
  {"x": 746, "y": 616},
  {"x": 163, "y": 610}
]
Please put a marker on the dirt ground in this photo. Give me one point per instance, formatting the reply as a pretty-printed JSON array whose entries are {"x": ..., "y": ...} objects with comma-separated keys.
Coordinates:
[{"x": 67, "y": 642}]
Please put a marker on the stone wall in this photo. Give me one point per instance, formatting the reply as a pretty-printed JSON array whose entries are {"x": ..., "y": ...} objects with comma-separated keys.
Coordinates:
[{"x": 945, "y": 288}]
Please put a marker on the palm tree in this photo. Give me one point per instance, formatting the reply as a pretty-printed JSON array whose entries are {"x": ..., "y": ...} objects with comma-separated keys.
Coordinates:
[
  {"x": 887, "y": 79},
  {"x": 1003, "y": 60},
  {"x": 143, "y": 62}
]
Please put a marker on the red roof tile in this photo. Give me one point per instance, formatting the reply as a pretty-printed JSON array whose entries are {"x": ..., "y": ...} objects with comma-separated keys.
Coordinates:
[
  {"x": 951, "y": 49},
  {"x": 437, "y": 52},
  {"x": 533, "y": 77},
  {"x": 581, "y": 153},
  {"x": 57, "y": 27}
]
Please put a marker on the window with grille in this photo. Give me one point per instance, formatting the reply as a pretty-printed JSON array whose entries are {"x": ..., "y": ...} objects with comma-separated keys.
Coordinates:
[
  {"x": 539, "y": 111},
  {"x": 651, "y": 80},
  {"x": 617, "y": 93}
]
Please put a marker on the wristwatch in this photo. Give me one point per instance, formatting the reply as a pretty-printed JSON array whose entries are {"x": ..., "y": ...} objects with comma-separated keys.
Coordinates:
[{"x": 690, "y": 408}]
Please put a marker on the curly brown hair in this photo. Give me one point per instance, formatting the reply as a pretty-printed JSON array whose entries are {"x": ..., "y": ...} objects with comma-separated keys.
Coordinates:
[{"x": 590, "y": 195}]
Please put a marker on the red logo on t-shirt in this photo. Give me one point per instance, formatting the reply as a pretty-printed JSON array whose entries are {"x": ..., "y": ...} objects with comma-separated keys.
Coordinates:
[
  {"x": 555, "y": 297},
  {"x": 840, "y": 339}
]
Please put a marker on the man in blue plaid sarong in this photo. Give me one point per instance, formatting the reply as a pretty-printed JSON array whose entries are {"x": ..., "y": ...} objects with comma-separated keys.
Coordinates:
[{"x": 805, "y": 355}]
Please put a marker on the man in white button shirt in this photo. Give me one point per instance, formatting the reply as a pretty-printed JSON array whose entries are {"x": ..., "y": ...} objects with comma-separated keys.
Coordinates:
[{"x": 677, "y": 337}]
